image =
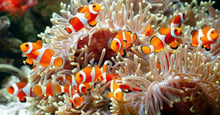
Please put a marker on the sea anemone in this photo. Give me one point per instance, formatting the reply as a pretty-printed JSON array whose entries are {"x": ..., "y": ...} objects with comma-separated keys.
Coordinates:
[{"x": 186, "y": 81}]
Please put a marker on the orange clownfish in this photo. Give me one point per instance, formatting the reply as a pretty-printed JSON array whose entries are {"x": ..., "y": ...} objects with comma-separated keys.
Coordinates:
[
  {"x": 107, "y": 77},
  {"x": 149, "y": 31},
  {"x": 158, "y": 42},
  {"x": 205, "y": 37},
  {"x": 116, "y": 92},
  {"x": 123, "y": 85},
  {"x": 88, "y": 74},
  {"x": 82, "y": 88},
  {"x": 22, "y": 90},
  {"x": 50, "y": 89},
  {"x": 35, "y": 52},
  {"x": 123, "y": 40},
  {"x": 67, "y": 78},
  {"x": 76, "y": 100},
  {"x": 177, "y": 20},
  {"x": 16, "y": 88},
  {"x": 85, "y": 15}
]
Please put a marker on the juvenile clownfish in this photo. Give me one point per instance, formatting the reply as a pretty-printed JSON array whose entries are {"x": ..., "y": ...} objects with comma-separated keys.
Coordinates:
[
  {"x": 116, "y": 92},
  {"x": 35, "y": 52},
  {"x": 85, "y": 15},
  {"x": 149, "y": 31},
  {"x": 22, "y": 90},
  {"x": 123, "y": 40},
  {"x": 177, "y": 20},
  {"x": 76, "y": 100},
  {"x": 158, "y": 42},
  {"x": 16, "y": 88},
  {"x": 205, "y": 37},
  {"x": 88, "y": 74}
]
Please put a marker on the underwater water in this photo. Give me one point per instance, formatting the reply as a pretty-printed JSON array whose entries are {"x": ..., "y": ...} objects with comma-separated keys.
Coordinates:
[{"x": 109, "y": 57}]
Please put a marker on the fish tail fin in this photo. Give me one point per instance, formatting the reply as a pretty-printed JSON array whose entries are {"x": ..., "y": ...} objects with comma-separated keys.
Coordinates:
[
  {"x": 145, "y": 49},
  {"x": 58, "y": 88},
  {"x": 110, "y": 95},
  {"x": 157, "y": 43},
  {"x": 58, "y": 61},
  {"x": 38, "y": 90},
  {"x": 194, "y": 41}
]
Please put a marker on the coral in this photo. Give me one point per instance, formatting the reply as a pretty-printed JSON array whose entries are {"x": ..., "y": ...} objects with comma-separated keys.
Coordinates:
[{"x": 186, "y": 82}]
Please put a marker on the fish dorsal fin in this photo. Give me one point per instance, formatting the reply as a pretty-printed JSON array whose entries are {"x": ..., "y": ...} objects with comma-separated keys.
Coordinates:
[
  {"x": 39, "y": 42},
  {"x": 163, "y": 30},
  {"x": 170, "y": 21},
  {"x": 205, "y": 28},
  {"x": 82, "y": 9}
]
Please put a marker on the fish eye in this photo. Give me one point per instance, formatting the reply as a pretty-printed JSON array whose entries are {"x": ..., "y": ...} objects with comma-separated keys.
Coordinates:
[
  {"x": 212, "y": 32},
  {"x": 26, "y": 45},
  {"x": 80, "y": 75},
  {"x": 93, "y": 6},
  {"x": 175, "y": 30},
  {"x": 11, "y": 87},
  {"x": 116, "y": 43}
]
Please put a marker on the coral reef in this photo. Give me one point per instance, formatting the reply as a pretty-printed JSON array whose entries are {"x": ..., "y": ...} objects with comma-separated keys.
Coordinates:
[{"x": 186, "y": 81}]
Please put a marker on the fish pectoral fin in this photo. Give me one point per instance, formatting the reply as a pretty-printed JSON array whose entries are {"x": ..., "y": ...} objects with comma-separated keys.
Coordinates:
[
  {"x": 122, "y": 53},
  {"x": 125, "y": 42},
  {"x": 173, "y": 45},
  {"x": 110, "y": 95},
  {"x": 164, "y": 30},
  {"x": 29, "y": 61},
  {"x": 82, "y": 10},
  {"x": 207, "y": 47},
  {"x": 92, "y": 23}
]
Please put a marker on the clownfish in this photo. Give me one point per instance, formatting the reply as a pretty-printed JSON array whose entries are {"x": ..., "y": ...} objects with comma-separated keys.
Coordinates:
[
  {"x": 13, "y": 89},
  {"x": 26, "y": 92},
  {"x": 88, "y": 74},
  {"x": 16, "y": 88},
  {"x": 67, "y": 78},
  {"x": 158, "y": 42},
  {"x": 70, "y": 79},
  {"x": 123, "y": 85},
  {"x": 35, "y": 52},
  {"x": 85, "y": 15},
  {"x": 204, "y": 36},
  {"x": 50, "y": 89},
  {"x": 76, "y": 100},
  {"x": 116, "y": 92},
  {"x": 106, "y": 77},
  {"x": 177, "y": 20},
  {"x": 123, "y": 40},
  {"x": 149, "y": 31},
  {"x": 22, "y": 90},
  {"x": 82, "y": 88}
]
